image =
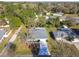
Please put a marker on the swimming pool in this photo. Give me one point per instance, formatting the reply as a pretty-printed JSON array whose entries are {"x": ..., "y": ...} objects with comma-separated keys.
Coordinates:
[{"x": 2, "y": 32}]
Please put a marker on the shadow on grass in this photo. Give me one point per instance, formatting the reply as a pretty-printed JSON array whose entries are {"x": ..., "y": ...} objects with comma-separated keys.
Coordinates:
[
  {"x": 52, "y": 35},
  {"x": 35, "y": 49}
]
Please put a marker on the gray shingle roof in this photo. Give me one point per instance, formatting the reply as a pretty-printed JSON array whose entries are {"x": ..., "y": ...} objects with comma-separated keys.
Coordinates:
[{"x": 38, "y": 33}]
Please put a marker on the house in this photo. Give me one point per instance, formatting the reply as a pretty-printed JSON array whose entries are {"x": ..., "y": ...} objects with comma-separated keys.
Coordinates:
[
  {"x": 39, "y": 36},
  {"x": 63, "y": 18},
  {"x": 59, "y": 14},
  {"x": 76, "y": 31},
  {"x": 4, "y": 29},
  {"x": 59, "y": 35},
  {"x": 62, "y": 33},
  {"x": 74, "y": 19},
  {"x": 36, "y": 34}
]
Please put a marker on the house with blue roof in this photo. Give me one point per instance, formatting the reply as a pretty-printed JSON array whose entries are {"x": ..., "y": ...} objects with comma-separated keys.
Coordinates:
[{"x": 63, "y": 33}]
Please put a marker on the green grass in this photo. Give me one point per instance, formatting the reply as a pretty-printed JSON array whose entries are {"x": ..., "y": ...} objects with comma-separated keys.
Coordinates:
[
  {"x": 2, "y": 45},
  {"x": 5, "y": 41},
  {"x": 58, "y": 48},
  {"x": 21, "y": 48},
  {"x": 51, "y": 29},
  {"x": 23, "y": 29},
  {"x": 75, "y": 26},
  {"x": 61, "y": 49}
]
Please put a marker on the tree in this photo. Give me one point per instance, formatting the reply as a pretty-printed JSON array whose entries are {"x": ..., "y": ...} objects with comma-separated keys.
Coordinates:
[
  {"x": 14, "y": 22},
  {"x": 68, "y": 22},
  {"x": 53, "y": 22},
  {"x": 13, "y": 47},
  {"x": 41, "y": 22},
  {"x": 11, "y": 50}
]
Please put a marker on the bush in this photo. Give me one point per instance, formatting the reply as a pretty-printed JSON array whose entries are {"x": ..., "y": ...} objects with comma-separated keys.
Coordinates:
[{"x": 13, "y": 47}]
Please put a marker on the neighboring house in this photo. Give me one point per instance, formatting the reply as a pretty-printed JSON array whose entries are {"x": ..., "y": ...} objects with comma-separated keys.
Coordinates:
[
  {"x": 4, "y": 29},
  {"x": 49, "y": 18},
  {"x": 59, "y": 35},
  {"x": 59, "y": 14},
  {"x": 62, "y": 33},
  {"x": 63, "y": 18},
  {"x": 76, "y": 31},
  {"x": 75, "y": 19}
]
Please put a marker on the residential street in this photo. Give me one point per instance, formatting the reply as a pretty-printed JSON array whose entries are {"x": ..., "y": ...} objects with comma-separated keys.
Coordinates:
[{"x": 13, "y": 38}]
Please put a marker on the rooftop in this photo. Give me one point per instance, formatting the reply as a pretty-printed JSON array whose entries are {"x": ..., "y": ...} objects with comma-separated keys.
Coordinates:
[
  {"x": 75, "y": 19},
  {"x": 64, "y": 32},
  {"x": 37, "y": 33}
]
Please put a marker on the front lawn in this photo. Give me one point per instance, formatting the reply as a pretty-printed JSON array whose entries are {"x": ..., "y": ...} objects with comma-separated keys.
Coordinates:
[{"x": 21, "y": 48}]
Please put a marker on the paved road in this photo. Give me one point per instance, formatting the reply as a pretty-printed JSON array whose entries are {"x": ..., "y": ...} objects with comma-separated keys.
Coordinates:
[{"x": 13, "y": 38}]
